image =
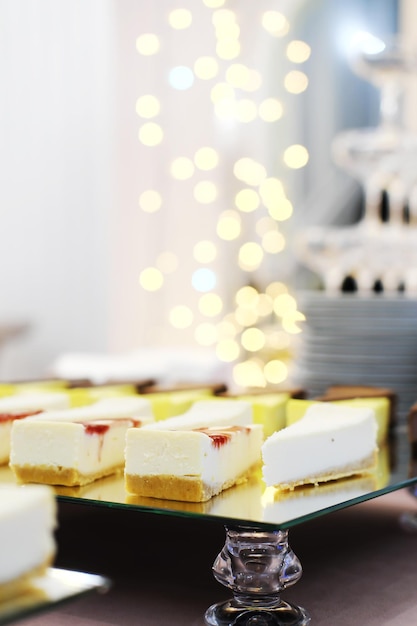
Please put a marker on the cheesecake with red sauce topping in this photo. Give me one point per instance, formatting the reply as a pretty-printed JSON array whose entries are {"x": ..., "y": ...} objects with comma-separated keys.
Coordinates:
[
  {"x": 21, "y": 405},
  {"x": 76, "y": 446},
  {"x": 195, "y": 456}
]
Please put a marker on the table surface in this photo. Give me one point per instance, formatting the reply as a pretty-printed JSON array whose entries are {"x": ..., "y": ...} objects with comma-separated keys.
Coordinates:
[{"x": 359, "y": 566}]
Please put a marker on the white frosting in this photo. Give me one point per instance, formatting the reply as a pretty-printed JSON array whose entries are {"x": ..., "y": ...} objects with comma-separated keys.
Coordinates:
[
  {"x": 25, "y": 403},
  {"x": 328, "y": 437},
  {"x": 119, "y": 407},
  {"x": 205, "y": 413},
  {"x": 190, "y": 453},
  {"x": 27, "y": 522}
]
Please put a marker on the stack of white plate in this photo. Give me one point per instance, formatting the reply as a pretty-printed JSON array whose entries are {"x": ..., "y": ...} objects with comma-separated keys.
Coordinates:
[{"x": 354, "y": 339}]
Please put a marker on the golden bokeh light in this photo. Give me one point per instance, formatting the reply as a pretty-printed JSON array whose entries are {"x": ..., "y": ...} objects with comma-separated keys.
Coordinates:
[
  {"x": 205, "y": 192},
  {"x": 275, "y": 23},
  {"x": 206, "y": 67},
  {"x": 210, "y": 304},
  {"x": 275, "y": 371},
  {"x": 249, "y": 374},
  {"x": 205, "y": 251},
  {"x": 247, "y": 296},
  {"x": 147, "y": 44},
  {"x": 150, "y": 201},
  {"x": 167, "y": 262},
  {"x": 242, "y": 77},
  {"x": 296, "y": 82},
  {"x": 270, "y": 110},
  {"x": 182, "y": 168},
  {"x": 206, "y": 334},
  {"x": 298, "y": 51},
  {"x": 151, "y": 134},
  {"x": 246, "y": 316},
  {"x": 229, "y": 225},
  {"x": 284, "y": 305},
  {"x": 247, "y": 200},
  {"x": 265, "y": 305},
  {"x": 221, "y": 92},
  {"x": 296, "y": 156},
  {"x": 273, "y": 242},
  {"x": 275, "y": 289},
  {"x": 228, "y": 48},
  {"x": 180, "y": 18},
  {"x": 250, "y": 256},
  {"x": 249, "y": 171},
  {"x": 270, "y": 188},
  {"x": 151, "y": 279},
  {"x": 223, "y": 18},
  {"x": 290, "y": 322},
  {"x": 228, "y": 328},
  {"x": 227, "y": 350},
  {"x": 281, "y": 209},
  {"x": 148, "y": 106},
  {"x": 181, "y": 316},
  {"x": 253, "y": 339},
  {"x": 206, "y": 158}
]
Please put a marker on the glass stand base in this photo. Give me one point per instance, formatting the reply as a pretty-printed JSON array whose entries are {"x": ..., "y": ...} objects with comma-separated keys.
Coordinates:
[
  {"x": 256, "y": 565},
  {"x": 228, "y": 613}
]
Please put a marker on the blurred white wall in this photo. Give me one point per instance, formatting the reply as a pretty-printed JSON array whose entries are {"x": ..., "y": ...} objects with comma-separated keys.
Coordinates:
[{"x": 56, "y": 177}]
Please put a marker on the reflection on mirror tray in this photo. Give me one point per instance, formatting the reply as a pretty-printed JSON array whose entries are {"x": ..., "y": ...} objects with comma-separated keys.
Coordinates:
[
  {"x": 251, "y": 502},
  {"x": 54, "y": 587}
]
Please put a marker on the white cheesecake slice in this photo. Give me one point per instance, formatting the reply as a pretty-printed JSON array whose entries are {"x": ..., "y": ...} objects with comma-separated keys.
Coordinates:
[
  {"x": 22, "y": 405},
  {"x": 190, "y": 465},
  {"x": 77, "y": 446},
  {"x": 205, "y": 413},
  {"x": 27, "y": 542},
  {"x": 329, "y": 442}
]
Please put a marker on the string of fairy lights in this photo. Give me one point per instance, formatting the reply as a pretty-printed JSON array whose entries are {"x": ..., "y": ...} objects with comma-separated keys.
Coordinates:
[{"x": 255, "y": 334}]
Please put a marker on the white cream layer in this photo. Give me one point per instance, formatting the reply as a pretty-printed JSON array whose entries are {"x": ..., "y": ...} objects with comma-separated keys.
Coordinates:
[
  {"x": 153, "y": 452},
  {"x": 27, "y": 522},
  {"x": 68, "y": 445},
  {"x": 328, "y": 437},
  {"x": 23, "y": 403},
  {"x": 121, "y": 407},
  {"x": 206, "y": 413}
]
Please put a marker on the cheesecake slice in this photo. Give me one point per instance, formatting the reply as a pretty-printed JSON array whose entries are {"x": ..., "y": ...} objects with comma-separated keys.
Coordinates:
[
  {"x": 27, "y": 543},
  {"x": 328, "y": 443},
  {"x": 76, "y": 446},
  {"x": 21, "y": 405},
  {"x": 190, "y": 465}
]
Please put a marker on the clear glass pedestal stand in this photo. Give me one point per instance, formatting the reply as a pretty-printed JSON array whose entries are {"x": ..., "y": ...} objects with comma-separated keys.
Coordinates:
[{"x": 256, "y": 565}]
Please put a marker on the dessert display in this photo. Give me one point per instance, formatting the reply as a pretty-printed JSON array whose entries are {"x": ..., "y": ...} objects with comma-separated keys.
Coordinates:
[
  {"x": 21, "y": 405},
  {"x": 328, "y": 443},
  {"x": 76, "y": 446},
  {"x": 27, "y": 543},
  {"x": 194, "y": 456}
]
